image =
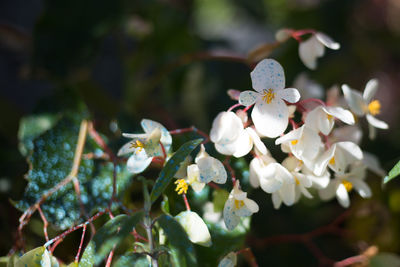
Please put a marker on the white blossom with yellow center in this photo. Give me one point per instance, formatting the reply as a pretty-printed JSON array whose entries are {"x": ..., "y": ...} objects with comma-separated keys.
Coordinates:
[
  {"x": 344, "y": 183},
  {"x": 145, "y": 146},
  {"x": 238, "y": 205},
  {"x": 270, "y": 114},
  {"x": 365, "y": 105}
]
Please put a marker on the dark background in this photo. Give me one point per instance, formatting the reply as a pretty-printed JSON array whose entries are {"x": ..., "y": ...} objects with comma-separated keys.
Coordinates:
[{"x": 125, "y": 59}]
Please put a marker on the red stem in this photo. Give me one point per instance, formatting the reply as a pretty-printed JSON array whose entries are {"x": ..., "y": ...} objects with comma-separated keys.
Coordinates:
[
  {"x": 110, "y": 256},
  {"x": 231, "y": 171},
  {"x": 80, "y": 244},
  {"x": 234, "y": 106},
  {"x": 45, "y": 223},
  {"x": 247, "y": 108},
  {"x": 186, "y": 202},
  {"x": 351, "y": 261},
  {"x": 191, "y": 129}
]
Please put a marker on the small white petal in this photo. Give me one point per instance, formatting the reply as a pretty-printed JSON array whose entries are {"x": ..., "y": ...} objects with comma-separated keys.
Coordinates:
[
  {"x": 287, "y": 193},
  {"x": 138, "y": 162},
  {"x": 127, "y": 148},
  {"x": 310, "y": 50},
  {"x": 149, "y": 126},
  {"x": 376, "y": 123},
  {"x": 354, "y": 99},
  {"x": 290, "y": 136},
  {"x": 229, "y": 260},
  {"x": 341, "y": 113},
  {"x": 268, "y": 74},
  {"x": 291, "y": 95},
  {"x": 342, "y": 196},
  {"x": 353, "y": 151},
  {"x": 370, "y": 90},
  {"x": 244, "y": 144},
  {"x": 362, "y": 188},
  {"x": 372, "y": 163},
  {"x": 328, "y": 192},
  {"x": 195, "y": 228},
  {"x": 305, "y": 192},
  {"x": 231, "y": 220},
  {"x": 251, "y": 205},
  {"x": 257, "y": 141},
  {"x": 135, "y": 136},
  {"x": 255, "y": 168},
  {"x": 327, "y": 41},
  {"x": 371, "y": 132},
  {"x": 243, "y": 211},
  {"x": 152, "y": 143},
  {"x": 248, "y": 98},
  {"x": 271, "y": 119},
  {"x": 211, "y": 169},
  {"x": 226, "y": 128},
  {"x": 276, "y": 200},
  {"x": 350, "y": 133}
]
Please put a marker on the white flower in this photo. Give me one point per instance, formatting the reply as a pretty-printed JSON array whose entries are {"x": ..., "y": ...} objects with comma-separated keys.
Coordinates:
[
  {"x": 207, "y": 169},
  {"x": 342, "y": 184},
  {"x": 323, "y": 118},
  {"x": 257, "y": 168},
  {"x": 270, "y": 113},
  {"x": 350, "y": 133},
  {"x": 308, "y": 88},
  {"x": 314, "y": 47},
  {"x": 338, "y": 157},
  {"x": 294, "y": 184},
  {"x": 304, "y": 143},
  {"x": 230, "y": 260},
  {"x": 195, "y": 228},
  {"x": 145, "y": 146},
  {"x": 238, "y": 205},
  {"x": 318, "y": 181},
  {"x": 372, "y": 163},
  {"x": 364, "y": 105},
  {"x": 230, "y": 137}
]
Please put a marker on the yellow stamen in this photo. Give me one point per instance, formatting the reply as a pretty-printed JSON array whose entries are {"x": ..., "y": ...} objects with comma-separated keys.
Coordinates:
[
  {"x": 294, "y": 142},
  {"x": 329, "y": 116},
  {"x": 374, "y": 107},
  {"x": 181, "y": 186},
  {"x": 297, "y": 180},
  {"x": 239, "y": 204},
  {"x": 268, "y": 95},
  {"x": 139, "y": 145},
  {"x": 348, "y": 185},
  {"x": 332, "y": 161}
]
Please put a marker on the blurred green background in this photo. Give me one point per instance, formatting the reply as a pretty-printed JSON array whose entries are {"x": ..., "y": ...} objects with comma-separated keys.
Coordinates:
[{"x": 129, "y": 60}]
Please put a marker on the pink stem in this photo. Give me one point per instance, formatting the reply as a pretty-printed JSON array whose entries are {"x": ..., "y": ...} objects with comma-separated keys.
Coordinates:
[
  {"x": 234, "y": 106},
  {"x": 81, "y": 243},
  {"x": 186, "y": 202},
  {"x": 45, "y": 223}
]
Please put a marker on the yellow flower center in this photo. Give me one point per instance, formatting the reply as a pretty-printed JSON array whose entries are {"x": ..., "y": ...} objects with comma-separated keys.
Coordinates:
[
  {"x": 239, "y": 204},
  {"x": 268, "y": 95},
  {"x": 139, "y": 145},
  {"x": 374, "y": 107},
  {"x": 294, "y": 142},
  {"x": 329, "y": 116},
  {"x": 181, "y": 186},
  {"x": 297, "y": 180},
  {"x": 348, "y": 185},
  {"x": 332, "y": 161}
]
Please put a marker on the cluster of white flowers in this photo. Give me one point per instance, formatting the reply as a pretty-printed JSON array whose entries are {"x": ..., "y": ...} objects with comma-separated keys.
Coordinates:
[{"x": 321, "y": 158}]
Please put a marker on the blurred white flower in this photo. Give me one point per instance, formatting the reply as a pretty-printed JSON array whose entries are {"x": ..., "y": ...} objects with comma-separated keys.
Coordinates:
[
  {"x": 195, "y": 228},
  {"x": 145, "y": 146},
  {"x": 323, "y": 118},
  {"x": 350, "y": 133},
  {"x": 230, "y": 137},
  {"x": 270, "y": 113},
  {"x": 238, "y": 205},
  {"x": 307, "y": 87},
  {"x": 230, "y": 260},
  {"x": 364, "y": 105},
  {"x": 344, "y": 183},
  {"x": 314, "y": 47}
]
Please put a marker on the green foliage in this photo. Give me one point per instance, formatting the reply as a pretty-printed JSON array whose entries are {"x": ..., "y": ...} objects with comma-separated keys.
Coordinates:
[
  {"x": 394, "y": 172},
  {"x": 181, "y": 249},
  {"x": 171, "y": 167},
  {"x": 132, "y": 259},
  {"x": 34, "y": 258},
  {"x": 51, "y": 160},
  {"x": 87, "y": 259},
  {"x": 110, "y": 236}
]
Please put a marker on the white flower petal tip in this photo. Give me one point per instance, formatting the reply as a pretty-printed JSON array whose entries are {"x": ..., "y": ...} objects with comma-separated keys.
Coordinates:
[
  {"x": 230, "y": 260},
  {"x": 327, "y": 41},
  {"x": 211, "y": 169},
  {"x": 248, "y": 98},
  {"x": 195, "y": 228},
  {"x": 268, "y": 74}
]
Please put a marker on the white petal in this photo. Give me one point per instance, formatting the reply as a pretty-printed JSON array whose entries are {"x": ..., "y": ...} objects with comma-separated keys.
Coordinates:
[
  {"x": 226, "y": 128},
  {"x": 328, "y": 192},
  {"x": 353, "y": 151},
  {"x": 372, "y": 163},
  {"x": 257, "y": 141},
  {"x": 309, "y": 146},
  {"x": 211, "y": 169},
  {"x": 268, "y": 74},
  {"x": 320, "y": 182},
  {"x": 135, "y": 136},
  {"x": 138, "y": 162},
  {"x": 370, "y": 90},
  {"x": 149, "y": 126},
  {"x": 313, "y": 117},
  {"x": 255, "y": 170},
  {"x": 251, "y": 205},
  {"x": 227, "y": 149},
  {"x": 347, "y": 133},
  {"x": 195, "y": 228},
  {"x": 341, "y": 113},
  {"x": 271, "y": 119},
  {"x": 327, "y": 41},
  {"x": 371, "y": 132},
  {"x": 270, "y": 185},
  {"x": 243, "y": 144},
  {"x": 248, "y": 98},
  {"x": 243, "y": 212},
  {"x": 376, "y": 123},
  {"x": 276, "y": 200},
  {"x": 152, "y": 143},
  {"x": 342, "y": 196},
  {"x": 127, "y": 148},
  {"x": 362, "y": 188},
  {"x": 305, "y": 191},
  {"x": 354, "y": 100},
  {"x": 231, "y": 220},
  {"x": 287, "y": 193},
  {"x": 304, "y": 180},
  {"x": 310, "y": 50},
  {"x": 290, "y": 136},
  {"x": 193, "y": 173},
  {"x": 291, "y": 95},
  {"x": 229, "y": 260}
]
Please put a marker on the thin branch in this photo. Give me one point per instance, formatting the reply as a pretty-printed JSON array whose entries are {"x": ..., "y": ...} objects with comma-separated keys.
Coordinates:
[
  {"x": 80, "y": 244},
  {"x": 192, "y": 129},
  {"x": 45, "y": 223}
]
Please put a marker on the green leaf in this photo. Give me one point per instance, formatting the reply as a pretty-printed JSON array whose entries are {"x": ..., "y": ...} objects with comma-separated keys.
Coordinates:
[
  {"x": 171, "y": 167},
  {"x": 385, "y": 259},
  {"x": 393, "y": 173},
  {"x": 181, "y": 249},
  {"x": 219, "y": 198},
  {"x": 165, "y": 204},
  {"x": 87, "y": 259},
  {"x": 132, "y": 259},
  {"x": 35, "y": 258},
  {"x": 12, "y": 260},
  {"x": 51, "y": 161},
  {"x": 111, "y": 234}
]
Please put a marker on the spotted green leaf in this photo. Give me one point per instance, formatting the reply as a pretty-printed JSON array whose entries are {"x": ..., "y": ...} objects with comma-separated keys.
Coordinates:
[{"x": 393, "y": 173}]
